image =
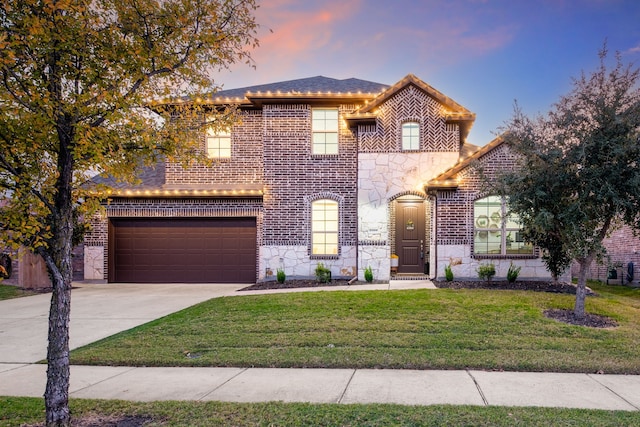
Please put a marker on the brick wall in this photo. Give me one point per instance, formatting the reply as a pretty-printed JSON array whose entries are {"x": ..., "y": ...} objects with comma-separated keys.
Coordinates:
[
  {"x": 294, "y": 177},
  {"x": 623, "y": 247},
  {"x": 455, "y": 222},
  {"x": 455, "y": 208},
  {"x": 245, "y": 165}
]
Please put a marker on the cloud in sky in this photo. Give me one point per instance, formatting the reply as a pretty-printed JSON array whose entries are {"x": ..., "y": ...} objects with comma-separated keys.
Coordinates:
[
  {"x": 483, "y": 53},
  {"x": 298, "y": 33},
  {"x": 345, "y": 38}
]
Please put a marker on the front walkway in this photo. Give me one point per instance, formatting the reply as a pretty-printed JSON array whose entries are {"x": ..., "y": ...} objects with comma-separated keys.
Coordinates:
[{"x": 406, "y": 387}]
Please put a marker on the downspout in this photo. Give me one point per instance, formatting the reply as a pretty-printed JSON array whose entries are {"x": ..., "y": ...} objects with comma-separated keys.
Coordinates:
[
  {"x": 434, "y": 220},
  {"x": 435, "y": 235},
  {"x": 357, "y": 207}
]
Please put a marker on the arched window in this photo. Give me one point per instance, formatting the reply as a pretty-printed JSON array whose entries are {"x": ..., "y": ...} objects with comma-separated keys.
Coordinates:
[
  {"x": 410, "y": 136},
  {"x": 324, "y": 227},
  {"x": 496, "y": 230}
]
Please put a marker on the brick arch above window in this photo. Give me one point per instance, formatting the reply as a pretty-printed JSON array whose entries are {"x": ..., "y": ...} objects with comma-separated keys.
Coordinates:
[
  {"x": 323, "y": 195},
  {"x": 325, "y": 225},
  {"x": 416, "y": 193}
]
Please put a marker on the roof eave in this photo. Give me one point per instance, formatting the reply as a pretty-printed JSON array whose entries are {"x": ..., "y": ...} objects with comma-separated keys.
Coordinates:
[
  {"x": 447, "y": 175},
  {"x": 447, "y": 185}
]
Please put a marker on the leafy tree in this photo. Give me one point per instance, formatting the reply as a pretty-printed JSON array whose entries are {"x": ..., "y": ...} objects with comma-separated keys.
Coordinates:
[
  {"x": 579, "y": 169},
  {"x": 77, "y": 78}
]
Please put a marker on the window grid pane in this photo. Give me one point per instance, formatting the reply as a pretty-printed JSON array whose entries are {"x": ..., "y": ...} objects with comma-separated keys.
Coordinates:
[
  {"x": 324, "y": 127},
  {"x": 324, "y": 227},
  {"x": 410, "y": 136},
  {"x": 495, "y": 232},
  {"x": 219, "y": 146}
]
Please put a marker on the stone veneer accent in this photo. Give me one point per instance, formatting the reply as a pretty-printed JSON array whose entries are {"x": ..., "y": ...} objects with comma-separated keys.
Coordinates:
[{"x": 383, "y": 178}]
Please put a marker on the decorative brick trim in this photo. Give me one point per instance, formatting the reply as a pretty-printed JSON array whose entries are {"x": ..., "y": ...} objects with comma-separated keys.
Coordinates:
[
  {"x": 373, "y": 243},
  {"x": 409, "y": 104},
  {"x": 308, "y": 200},
  {"x": 534, "y": 256},
  {"x": 416, "y": 193},
  {"x": 324, "y": 256},
  {"x": 273, "y": 242},
  {"x": 184, "y": 208}
]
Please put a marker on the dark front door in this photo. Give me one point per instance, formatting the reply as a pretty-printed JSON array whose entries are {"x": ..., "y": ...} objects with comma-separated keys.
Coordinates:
[{"x": 410, "y": 233}]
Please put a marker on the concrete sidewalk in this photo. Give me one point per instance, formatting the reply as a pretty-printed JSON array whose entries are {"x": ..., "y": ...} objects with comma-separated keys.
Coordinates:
[
  {"x": 101, "y": 310},
  {"x": 406, "y": 387}
]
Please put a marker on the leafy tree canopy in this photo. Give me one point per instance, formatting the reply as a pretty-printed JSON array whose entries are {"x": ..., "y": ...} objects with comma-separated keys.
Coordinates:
[
  {"x": 579, "y": 168},
  {"x": 78, "y": 83}
]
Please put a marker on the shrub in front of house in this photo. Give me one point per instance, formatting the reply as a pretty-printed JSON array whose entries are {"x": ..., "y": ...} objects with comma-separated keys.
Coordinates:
[
  {"x": 486, "y": 271},
  {"x": 323, "y": 274},
  {"x": 368, "y": 274}
]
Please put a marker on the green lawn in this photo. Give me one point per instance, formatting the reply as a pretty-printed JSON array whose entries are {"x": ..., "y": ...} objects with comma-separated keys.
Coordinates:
[
  {"x": 8, "y": 292},
  {"x": 18, "y": 411},
  {"x": 417, "y": 329}
]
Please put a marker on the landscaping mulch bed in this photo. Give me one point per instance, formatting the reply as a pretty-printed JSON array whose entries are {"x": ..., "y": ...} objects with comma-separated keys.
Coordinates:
[
  {"x": 518, "y": 285},
  {"x": 590, "y": 320},
  {"x": 292, "y": 284}
]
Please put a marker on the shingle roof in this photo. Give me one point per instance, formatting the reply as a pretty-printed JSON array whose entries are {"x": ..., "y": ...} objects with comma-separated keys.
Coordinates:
[
  {"x": 150, "y": 177},
  {"x": 311, "y": 84}
]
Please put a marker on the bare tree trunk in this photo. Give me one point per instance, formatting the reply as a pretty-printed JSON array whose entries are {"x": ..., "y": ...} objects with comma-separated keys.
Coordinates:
[
  {"x": 58, "y": 259},
  {"x": 581, "y": 290},
  {"x": 58, "y": 374}
]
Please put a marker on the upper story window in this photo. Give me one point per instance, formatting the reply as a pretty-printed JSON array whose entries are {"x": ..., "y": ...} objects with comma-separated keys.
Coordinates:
[
  {"x": 324, "y": 227},
  {"x": 496, "y": 231},
  {"x": 410, "y": 136},
  {"x": 218, "y": 143},
  {"x": 324, "y": 130}
]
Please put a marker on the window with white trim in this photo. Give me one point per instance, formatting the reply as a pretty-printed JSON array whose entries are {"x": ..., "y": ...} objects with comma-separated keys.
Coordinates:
[
  {"x": 324, "y": 227},
  {"x": 324, "y": 130},
  {"x": 410, "y": 136},
  {"x": 218, "y": 143},
  {"x": 496, "y": 230}
]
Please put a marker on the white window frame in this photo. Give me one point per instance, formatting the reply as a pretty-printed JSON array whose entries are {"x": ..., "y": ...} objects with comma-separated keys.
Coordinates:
[
  {"x": 325, "y": 227},
  {"x": 410, "y": 136},
  {"x": 497, "y": 226},
  {"x": 218, "y": 143},
  {"x": 324, "y": 131}
]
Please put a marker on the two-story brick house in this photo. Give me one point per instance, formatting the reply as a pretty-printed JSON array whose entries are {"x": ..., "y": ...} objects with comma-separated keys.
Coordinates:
[{"x": 340, "y": 172}]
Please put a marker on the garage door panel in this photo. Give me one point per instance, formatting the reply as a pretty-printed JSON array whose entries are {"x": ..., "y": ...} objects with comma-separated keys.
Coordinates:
[{"x": 198, "y": 250}]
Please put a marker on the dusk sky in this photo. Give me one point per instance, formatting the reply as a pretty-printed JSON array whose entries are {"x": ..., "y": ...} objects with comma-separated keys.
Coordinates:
[{"x": 484, "y": 54}]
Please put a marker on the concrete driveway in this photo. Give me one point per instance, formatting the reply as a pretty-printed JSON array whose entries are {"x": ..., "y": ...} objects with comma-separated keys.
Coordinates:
[{"x": 97, "y": 311}]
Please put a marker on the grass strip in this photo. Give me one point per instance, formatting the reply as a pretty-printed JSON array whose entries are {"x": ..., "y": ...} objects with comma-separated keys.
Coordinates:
[
  {"x": 9, "y": 292},
  {"x": 416, "y": 329},
  {"x": 18, "y": 411}
]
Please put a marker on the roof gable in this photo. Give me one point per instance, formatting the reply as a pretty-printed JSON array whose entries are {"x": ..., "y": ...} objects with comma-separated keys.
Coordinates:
[
  {"x": 446, "y": 181},
  {"x": 411, "y": 79}
]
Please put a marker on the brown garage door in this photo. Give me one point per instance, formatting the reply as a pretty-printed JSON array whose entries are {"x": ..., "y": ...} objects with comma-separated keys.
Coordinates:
[{"x": 177, "y": 250}]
